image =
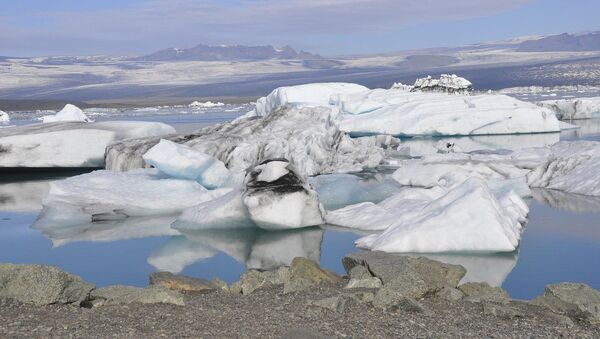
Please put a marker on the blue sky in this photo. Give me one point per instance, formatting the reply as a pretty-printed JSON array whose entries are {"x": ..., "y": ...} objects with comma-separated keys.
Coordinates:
[{"x": 329, "y": 27}]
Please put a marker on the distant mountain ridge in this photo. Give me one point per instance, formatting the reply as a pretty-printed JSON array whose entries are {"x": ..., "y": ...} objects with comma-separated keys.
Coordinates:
[
  {"x": 228, "y": 53},
  {"x": 563, "y": 43}
]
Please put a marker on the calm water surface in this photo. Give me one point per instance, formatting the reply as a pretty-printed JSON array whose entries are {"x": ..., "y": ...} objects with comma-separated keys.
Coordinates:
[{"x": 560, "y": 243}]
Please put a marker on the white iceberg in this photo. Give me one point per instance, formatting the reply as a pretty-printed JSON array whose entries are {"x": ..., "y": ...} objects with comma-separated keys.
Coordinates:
[
  {"x": 572, "y": 167},
  {"x": 4, "y": 117},
  {"x": 447, "y": 83},
  {"x": 274, "y": 197},
  {"x": 69, "y": 144},
  {"x": 466, "y": 219},
  {"x": 415, "y": 113},
  {"x": 106, "y": 195},
  {"x": 68, "y": 113},
  {"x": 309, "y": 95},
  {"x": 180, "y": 161},
  {"x": 573, "y": 109},
  {"x": 308, "y": 138},
  {"x": 207, "y": 104}
]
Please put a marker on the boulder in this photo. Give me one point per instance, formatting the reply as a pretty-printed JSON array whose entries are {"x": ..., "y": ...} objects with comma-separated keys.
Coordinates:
[
  {"x": 478, "y": 292},
  {"x": 41, "y": 285},
  {"x": 450, "y": 294},
  {"x": 305, "y": 273},
  {"x": 181, "y": 283},
  {"x": 361, "y": 297},
  {"x": 390, "y": 299},
  {"x": 412, "y": 276},
  {"x": 371, "y": 282},
  {"x": 123, "y": 295},
  {"x": 254, "y": 279},
  {"x": 337, "y": 304},
  {"x": 575, "y": 300}
]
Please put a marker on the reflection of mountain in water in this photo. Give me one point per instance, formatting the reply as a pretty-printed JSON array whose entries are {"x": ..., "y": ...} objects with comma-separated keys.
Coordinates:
[{"x": 257, "y": 249}]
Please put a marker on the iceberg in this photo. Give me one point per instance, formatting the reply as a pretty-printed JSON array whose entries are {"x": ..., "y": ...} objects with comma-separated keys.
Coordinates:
[
  {"x": 309, "y": 95},
  {"x": 307, "y": 137},
  {"x": 68, "y": 113},
  {"x": 180, "y": 161},
  {"x": 105, "y": 195},
  {"x": 425, "y": 110},
  {"x": 468, "y": 218},
  {"x": 4, "y": 117},
  {"x": 69, "y": 144},
  {"x": 207, "y": 104},
  {"x": 573, "y": 109},
  {"x": 274, "y": 197},
  {"x": 572, "y": 167}
]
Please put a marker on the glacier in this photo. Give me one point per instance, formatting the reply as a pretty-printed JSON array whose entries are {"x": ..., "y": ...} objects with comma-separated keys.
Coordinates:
[
  {"x": 69, "y": 144},
  {"x": 68, "y": 113}
]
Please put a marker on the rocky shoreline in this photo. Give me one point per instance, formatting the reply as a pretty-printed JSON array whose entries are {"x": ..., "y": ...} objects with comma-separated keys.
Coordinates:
[{"x": 383, "y": 295}]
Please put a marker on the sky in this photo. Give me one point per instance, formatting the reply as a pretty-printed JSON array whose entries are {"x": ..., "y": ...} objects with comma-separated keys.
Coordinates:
[{"x": 327, "y": 27}]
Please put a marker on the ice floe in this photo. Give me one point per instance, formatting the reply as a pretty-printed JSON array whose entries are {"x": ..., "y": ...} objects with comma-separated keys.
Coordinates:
[
  {"x": 447, "y": 83},
  {"x": 467, "y": 218},
  {"x": 106, "y": 195},
  {"x": 572, "y": 109},
  {"x": 69, "y": 144},
  {"x": 68, "y": 113}
]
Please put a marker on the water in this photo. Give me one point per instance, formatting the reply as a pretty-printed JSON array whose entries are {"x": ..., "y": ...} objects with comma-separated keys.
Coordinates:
[{"x": 560, "y": 243}]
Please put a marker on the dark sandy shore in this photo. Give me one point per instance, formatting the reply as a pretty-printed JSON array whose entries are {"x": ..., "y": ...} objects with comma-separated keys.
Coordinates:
[{"x": 270, "y": 313}]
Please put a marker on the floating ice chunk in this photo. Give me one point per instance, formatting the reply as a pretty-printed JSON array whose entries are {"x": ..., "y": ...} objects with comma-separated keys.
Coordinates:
[
  {"x": 572, "y": 167},
  {"x": 68, "y": 113},
  {"x": 207, "y": 104},
  {"x": 180, "y": 161},
  {"x": 4, "y": 117},
  {"x": 285, "y": 203},
  {"x": 446, "y": 83},
  {"x": 69, "y": 144},
  {"x": 466, "y": 219},
  {"x": 580, "y": 108},
  {"x": 309, "y": 95},
  {"x": 272, "y": 170},
  {"x": 106, "y": 195},
  {"x": 224, "y": 212}
]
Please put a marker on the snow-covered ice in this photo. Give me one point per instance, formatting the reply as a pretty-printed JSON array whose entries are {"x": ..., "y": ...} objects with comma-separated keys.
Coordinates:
[
  {"x": 68, "y": 113},
  {"x": 180, "y": 161},
  {"x": 468, "y": 218},
  {"x": 69, "y": 144},
  {"x": 579, "y": 108},
  {"x": 225, "y": 212},
  {"x": 447, "y": 83}
]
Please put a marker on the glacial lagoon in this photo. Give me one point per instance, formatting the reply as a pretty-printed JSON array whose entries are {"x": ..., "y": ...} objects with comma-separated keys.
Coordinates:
[{"x": 559, "y": 243}]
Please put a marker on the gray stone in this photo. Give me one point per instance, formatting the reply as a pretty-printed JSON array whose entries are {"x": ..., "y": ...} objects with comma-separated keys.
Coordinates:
[
  {"x": 120, "y": 295},
  {"x": 337, "y": 304},
  {"x": 478, "y": 292},
  {"x": 359, "y": 272},
  {"x": 413, "y": 276},
  {"x": 575, "y": 300},
  {"x": 370, "y": 282},
  {"x": 305, "y": 273},
  {"x": 220, "y": 284},
  {"x": 236, "y": 288},
  {"x": 390, "y": 299},
  {"x": 361, "y": 297},
  {"x": 180, "y": 282},
  {"x": 253, "y": 279},
  {"x": 41, "y": 285},
  {"x": 450, "y": 294},
  {"x": 502, "y": 311}
]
